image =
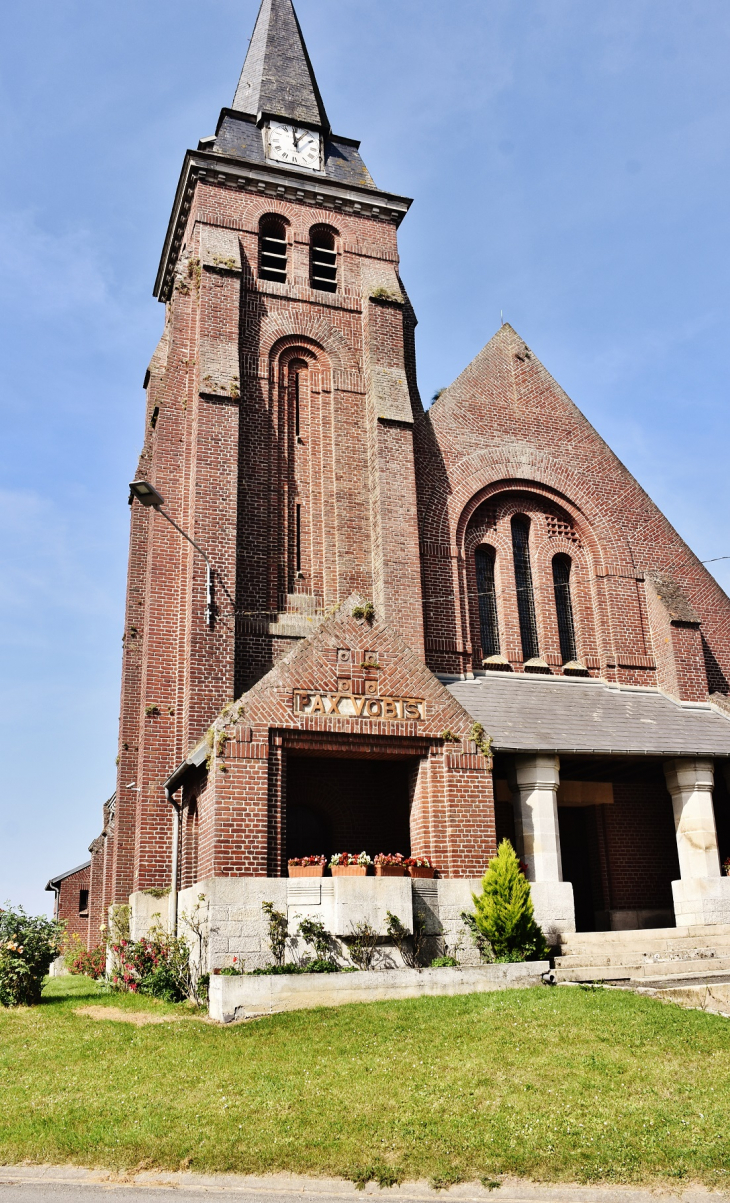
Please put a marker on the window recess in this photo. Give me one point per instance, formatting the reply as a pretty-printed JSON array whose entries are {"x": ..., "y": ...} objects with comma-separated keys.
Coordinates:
[
  {"x": 323, "y": 262},
  {"x": 564, "y": 608},
  {"x": 484, "y": 558},
  {"x": 273, "y": 252},
  {"x": 523, "y": 585}
]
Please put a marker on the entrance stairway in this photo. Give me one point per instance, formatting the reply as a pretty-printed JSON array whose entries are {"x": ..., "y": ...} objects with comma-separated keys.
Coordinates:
[{"x": 658, "y": 958}]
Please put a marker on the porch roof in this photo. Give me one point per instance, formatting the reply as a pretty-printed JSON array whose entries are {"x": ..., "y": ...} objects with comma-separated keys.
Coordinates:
[{"x": 560, "y": 714}]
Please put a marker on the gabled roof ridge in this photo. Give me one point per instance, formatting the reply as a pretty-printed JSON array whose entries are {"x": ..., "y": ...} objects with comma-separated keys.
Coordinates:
[
  {"x": 503, "y": 333},
  {"x": 69, "y": 873}
]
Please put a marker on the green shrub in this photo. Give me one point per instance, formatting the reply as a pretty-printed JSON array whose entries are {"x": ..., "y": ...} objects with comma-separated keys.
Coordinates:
[
  {"x": 28, "y": 944},
  {"x": 82, "y": 960},
  {"x": 273, "y": 970},
  {"x": 444, "y": 963},
  {"x": 158, "y": 965},
  {"x": 325, "y": 966},
  {"x": 322, "y": 965},
  {"x": 504, "y": 913}
]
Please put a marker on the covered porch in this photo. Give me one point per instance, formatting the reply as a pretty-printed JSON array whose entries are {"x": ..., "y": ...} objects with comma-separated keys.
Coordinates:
[{"x": 616, "y": 798}]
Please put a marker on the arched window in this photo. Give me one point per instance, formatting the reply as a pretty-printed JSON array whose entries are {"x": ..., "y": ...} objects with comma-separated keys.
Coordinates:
[
  {"x": 272, "y": 250},
  {"x": 484, "y": 562},
  {"x": 523, "y": 584},
  {"x": 323, "y": 261},
  {"x": 564, "y": 607},
  {"x": 298, "y": 409}
]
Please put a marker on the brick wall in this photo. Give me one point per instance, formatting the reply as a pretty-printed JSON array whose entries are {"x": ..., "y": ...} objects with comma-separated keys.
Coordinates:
[
  {"x": 264, "y": 747},
  {"x": 222, "y": 448},
  {"x": 72, "y": 904},
  {"x": 641, "y": 846}
]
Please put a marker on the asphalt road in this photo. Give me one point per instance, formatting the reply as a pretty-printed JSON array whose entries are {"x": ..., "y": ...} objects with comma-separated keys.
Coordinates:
[{"x": 63, "y": 1184}]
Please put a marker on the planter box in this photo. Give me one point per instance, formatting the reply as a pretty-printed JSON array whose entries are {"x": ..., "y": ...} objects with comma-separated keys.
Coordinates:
[
  {"x": 389, "y": 871},
  {"x": 349, "y": 870},
  {"x": 414, "y": 871},
  {"x": 306, "y": 870},
  {"x": 233, "y": 998}
]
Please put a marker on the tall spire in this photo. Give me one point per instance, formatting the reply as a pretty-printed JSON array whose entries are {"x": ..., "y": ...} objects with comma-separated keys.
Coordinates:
[{"x": 277, "y": 76}]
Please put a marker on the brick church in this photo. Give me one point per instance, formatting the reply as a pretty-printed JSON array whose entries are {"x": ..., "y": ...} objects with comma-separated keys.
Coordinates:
[{"x": 353, "y": 623}]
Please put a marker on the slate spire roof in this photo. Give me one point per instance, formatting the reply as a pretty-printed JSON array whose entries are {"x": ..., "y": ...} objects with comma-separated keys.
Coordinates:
[{"x": 277, "y": 76}]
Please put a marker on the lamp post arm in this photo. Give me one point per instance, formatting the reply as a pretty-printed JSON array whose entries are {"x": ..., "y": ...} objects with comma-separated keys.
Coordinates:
[
  {"x": 208, "y": 566},
  {"x": 180, "y": 531}
]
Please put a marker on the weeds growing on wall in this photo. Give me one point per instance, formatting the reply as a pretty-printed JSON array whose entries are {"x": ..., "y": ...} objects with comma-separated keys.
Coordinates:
[
  {"x": 361, "y": 944},
  {"x": 314, "y": 933},
  {"x": 410, "y": 946},
  {"x": 278, "y": 931}
]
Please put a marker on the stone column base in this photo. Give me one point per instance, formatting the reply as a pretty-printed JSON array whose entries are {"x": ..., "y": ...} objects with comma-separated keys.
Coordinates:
[
  {"x": 554, "y": 908},
  {"x": 701, "y": 900}
]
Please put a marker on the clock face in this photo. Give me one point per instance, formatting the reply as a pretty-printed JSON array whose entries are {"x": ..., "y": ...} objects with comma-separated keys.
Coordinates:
[{"x": 290, "y": 144}]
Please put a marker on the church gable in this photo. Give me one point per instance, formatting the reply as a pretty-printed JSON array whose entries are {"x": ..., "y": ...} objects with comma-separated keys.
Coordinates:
[
  {"x": 352, "y": 734},
  {"x": 356, "y": 674},
  {"x": 505, "y": 444}
]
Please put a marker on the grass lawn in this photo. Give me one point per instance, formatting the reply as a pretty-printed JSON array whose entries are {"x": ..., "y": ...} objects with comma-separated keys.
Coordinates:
[{"x": 564, "y": 1083}]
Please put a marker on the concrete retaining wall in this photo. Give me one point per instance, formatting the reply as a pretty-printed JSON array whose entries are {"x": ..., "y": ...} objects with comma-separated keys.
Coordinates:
[{"x": 233, "y": 998}]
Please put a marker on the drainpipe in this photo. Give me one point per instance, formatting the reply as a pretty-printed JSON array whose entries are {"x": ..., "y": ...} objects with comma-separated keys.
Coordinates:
[
  {"x": 197, "y": 757},
  {"x": 176, "y": 814}
]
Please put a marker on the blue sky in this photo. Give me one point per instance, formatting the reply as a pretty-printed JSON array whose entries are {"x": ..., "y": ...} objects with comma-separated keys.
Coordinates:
[{"x": 569, "y": 164}]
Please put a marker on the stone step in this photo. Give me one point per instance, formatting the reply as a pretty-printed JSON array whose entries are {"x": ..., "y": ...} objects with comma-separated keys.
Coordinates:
[
  {"x": 650, "y": 973},
  {"x": 648, "y": 934},
  {"x": 669, "y": 981},
  {"x": 679, "y": 968},
  {"x": 595, "y": 973},
  {"x": 626, "y": 957},
  {"x": 658, "y": 940}
]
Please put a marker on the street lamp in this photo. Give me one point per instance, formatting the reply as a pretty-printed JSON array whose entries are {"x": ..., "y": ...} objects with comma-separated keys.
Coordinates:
[{"x": 147, "y": 495}]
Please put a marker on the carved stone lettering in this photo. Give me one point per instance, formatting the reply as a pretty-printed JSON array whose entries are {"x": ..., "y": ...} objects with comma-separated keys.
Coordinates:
[{"x": 347, "y": 705}]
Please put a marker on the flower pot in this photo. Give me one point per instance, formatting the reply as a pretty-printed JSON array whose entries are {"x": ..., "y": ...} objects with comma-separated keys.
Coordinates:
[
  {"x": 349, "y": 870},
  {"x": 389, "y": 871},
  {"x": 420, "y": 871},
  {"x": 306, "y": 870}
]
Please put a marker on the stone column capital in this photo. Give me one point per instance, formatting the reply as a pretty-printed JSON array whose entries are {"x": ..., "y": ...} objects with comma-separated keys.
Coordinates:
[
  {"x": 539, "y": 770},
  {"x": 685, "y": 775}
]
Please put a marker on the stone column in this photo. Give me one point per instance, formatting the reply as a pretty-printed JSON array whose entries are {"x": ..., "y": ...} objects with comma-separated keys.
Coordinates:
[
  {"x": 535, "y": 787},
  {"x": 702, "y": 895}
]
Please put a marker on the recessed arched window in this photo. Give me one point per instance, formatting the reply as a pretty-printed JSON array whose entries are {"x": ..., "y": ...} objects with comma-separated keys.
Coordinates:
[
  {"x": 564, "y": 607},
  {"x": 523, "y": 585},
  {"x": 323, "y": 260},
  {"x": 272, "y": 250},
  {"x": 484, "y": 563}
]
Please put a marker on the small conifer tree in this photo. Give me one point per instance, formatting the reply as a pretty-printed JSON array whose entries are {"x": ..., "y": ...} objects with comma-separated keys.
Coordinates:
[{"x": 504, "y": 912}]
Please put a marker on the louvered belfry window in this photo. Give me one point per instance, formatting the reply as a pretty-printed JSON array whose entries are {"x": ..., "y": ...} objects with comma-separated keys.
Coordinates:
[
  {"x": 484, "y": 562},
  {"x": 272, "y": 250},
  {"x": 323, "y": 261},
  {"x": 523, "y": 584},
  {"x": 564, "y": 607}
]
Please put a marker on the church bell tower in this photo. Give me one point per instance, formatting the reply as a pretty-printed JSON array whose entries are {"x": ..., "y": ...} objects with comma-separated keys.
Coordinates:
[{"x": 279, "y": 430}]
